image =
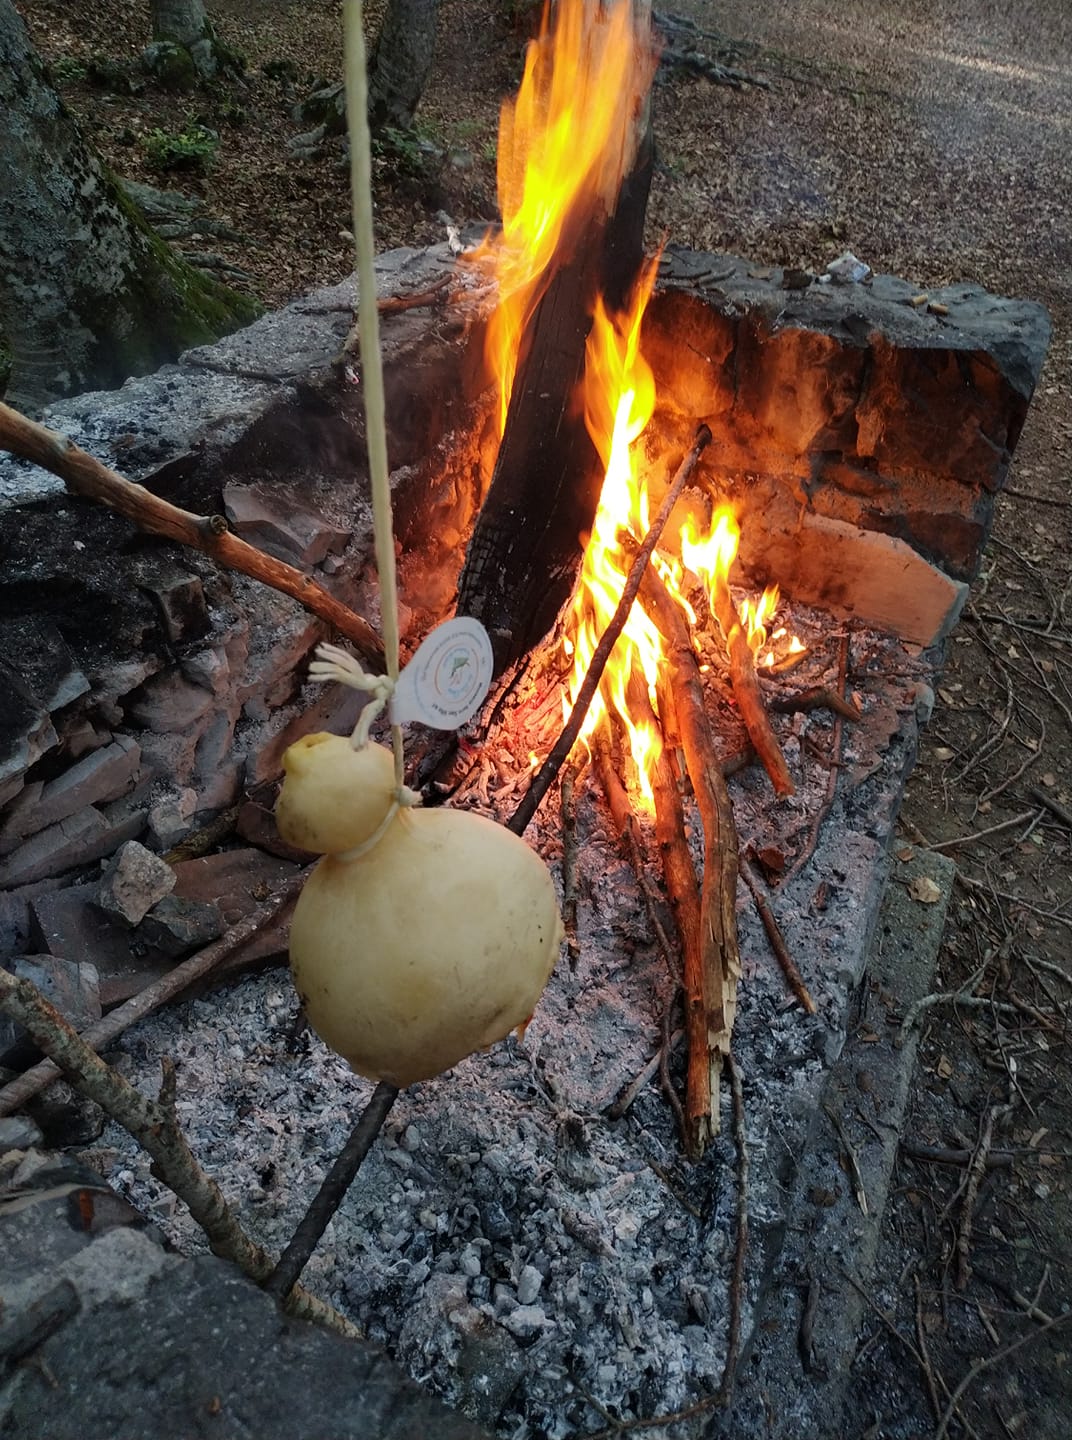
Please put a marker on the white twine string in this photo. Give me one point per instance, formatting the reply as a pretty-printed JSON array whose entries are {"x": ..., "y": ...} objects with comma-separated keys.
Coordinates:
[{"x": 371, "y": 361}]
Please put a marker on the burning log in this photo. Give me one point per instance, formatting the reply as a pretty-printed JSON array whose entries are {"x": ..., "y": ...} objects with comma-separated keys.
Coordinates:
[
  {"x": 711, "y": 988},
  {"x": 572, "y": 729},
  {"x": 586, "y": 79}
]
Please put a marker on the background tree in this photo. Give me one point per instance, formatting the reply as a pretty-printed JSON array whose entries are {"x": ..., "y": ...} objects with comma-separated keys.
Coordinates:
[
  {"x": 88, "y": 293},
  {"x": 182, "y": 22},
  {"x": 185, "y": 48},
  {"x": 401, "y": 62},
  {"x": 399, "y": 67}
]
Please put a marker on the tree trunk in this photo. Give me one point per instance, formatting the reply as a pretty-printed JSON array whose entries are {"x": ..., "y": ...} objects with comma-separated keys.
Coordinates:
[
  {"x": 180, "y": 22},
  {"x": 88, "y": 293},
  {"x": 401, "y": 62}
]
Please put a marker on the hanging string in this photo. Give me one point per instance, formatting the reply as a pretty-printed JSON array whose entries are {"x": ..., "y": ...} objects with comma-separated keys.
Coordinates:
[{"x": 355, "y": 64}]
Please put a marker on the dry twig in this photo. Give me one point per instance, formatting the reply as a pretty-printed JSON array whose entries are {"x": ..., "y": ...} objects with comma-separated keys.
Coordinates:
[
  {"x": 831, "y": 783},
  {"x": 154, "y": 1125},
  {"x": 991, "y": 1360},
  {"x": 775, "y": 936},
  {"x": 711, "y": 991},
  {"x": 976, "y": 1171},
  {"x": 746, "y": 688},
  {"x": 103, "y": 1032}
]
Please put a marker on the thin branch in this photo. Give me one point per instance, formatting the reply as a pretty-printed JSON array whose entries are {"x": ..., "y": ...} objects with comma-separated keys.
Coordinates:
[
  {"x": 84, "y": 475},
  {"x": 154, "y": 1125},
  {"x": 545, "y": 777},
  {"x": 995, "y": 1359},
  {"x": 776, "y": 938},
  {"x": 331, "y": 1193},
  {"x": 101, "y": 1034},
  {"x": 959, "y": 840},
  {"x": 832, "y": 777},
  {"x": 976, "y": 1171}
]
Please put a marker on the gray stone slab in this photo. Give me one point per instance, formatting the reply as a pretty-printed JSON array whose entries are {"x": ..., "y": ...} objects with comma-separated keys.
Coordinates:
[
  {"x": 100, "y": 776},
  {"x": 72, "y": 986},
  {"x": 71, "y": 923},
  {"x": 792, "y": 1387},
  {"x": 148, "y": 1346}
]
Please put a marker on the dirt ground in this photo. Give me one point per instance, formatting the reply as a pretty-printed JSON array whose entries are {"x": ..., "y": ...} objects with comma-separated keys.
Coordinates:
[{"x": 934, "y": 139}]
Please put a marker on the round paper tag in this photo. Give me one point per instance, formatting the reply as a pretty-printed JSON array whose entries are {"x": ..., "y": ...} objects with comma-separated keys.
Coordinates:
[{"x": 445, "y": 683}]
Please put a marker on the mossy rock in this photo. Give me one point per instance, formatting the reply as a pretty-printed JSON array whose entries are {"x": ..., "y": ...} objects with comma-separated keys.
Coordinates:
[
  {"x": 170, "y": 65},
  {"x": 325, "y": 106}
]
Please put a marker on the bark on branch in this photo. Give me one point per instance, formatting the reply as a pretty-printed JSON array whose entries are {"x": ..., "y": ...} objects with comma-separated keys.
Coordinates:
[
  {"x": 82, "y": 474},
  {"x": 154, "y": 1125}
]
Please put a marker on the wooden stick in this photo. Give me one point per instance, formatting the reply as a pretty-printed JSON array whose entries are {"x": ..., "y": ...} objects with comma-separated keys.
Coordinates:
[
  {"x": 684, "y": 897},
  {"x": 776, "y": 938},
  {"x": 545, "y": 776},
  {"x": 82, "y": 474},
  {"x": 154, "y": 1125},
  {"x": 720, "y": 963},
  {"x": 819, "y": 819},
  {"x": 1042, "y": 798},
  {"x": 332, "y": 1192},
  {"x": 14, "y": 1095},
  {"x": 817, "y": 697},
  {"x": 746, "y": 688}
]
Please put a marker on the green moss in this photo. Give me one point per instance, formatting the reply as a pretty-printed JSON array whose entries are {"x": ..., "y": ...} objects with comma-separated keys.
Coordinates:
[{"x": 174, "y": 306}]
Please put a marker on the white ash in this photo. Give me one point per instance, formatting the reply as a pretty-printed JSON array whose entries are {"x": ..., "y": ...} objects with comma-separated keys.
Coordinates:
[{"x": 514, "y": 1249}]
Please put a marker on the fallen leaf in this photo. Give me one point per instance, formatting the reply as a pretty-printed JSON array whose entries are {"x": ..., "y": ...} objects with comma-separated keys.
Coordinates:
[
  {"x": 943, "y": 752},
  {"x": 946, "y": 697},
  {"x": 944, "y": 1068},
  {"x": 1049, "y": 780},
  {"x": 905, "y": 853},
  {"x": 924, "y": 890}
]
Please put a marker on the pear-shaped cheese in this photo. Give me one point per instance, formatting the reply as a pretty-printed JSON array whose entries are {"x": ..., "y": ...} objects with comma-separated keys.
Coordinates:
[
  {"x": 435, "y": 943},
  {"x": 334, "y": 797}
]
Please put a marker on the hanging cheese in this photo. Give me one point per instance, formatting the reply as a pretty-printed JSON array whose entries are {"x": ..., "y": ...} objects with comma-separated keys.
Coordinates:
[{"x": 435, "y": 941}]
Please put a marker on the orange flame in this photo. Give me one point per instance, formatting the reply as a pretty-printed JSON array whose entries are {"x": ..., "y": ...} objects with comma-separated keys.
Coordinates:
[
  {"x": 710, "y": 558},
  {"x": 619, "y": 397},
  {"x": 565, "y": 144}
]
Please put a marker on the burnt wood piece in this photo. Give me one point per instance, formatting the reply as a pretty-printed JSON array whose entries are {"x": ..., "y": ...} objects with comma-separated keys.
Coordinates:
[
  {"x": 711, "y": 975},
  {"x": 526, "y": 547}
]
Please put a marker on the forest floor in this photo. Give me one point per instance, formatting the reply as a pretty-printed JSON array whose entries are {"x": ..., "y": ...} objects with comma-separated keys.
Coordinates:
[{"x": 931, "y": 137}]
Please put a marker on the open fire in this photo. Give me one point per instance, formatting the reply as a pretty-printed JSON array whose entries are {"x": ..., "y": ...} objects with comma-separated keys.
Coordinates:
[
  {"x": 567, "y": 144},
  {"x": 531, "y": 1218}
]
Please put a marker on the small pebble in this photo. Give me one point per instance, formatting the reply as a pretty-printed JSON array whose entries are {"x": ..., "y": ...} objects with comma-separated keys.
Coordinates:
[{"x": 528, "y": 1285}]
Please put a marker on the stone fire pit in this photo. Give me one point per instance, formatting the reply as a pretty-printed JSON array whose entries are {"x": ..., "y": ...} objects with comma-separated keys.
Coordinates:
[{"x": 517, "y": 1251}]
